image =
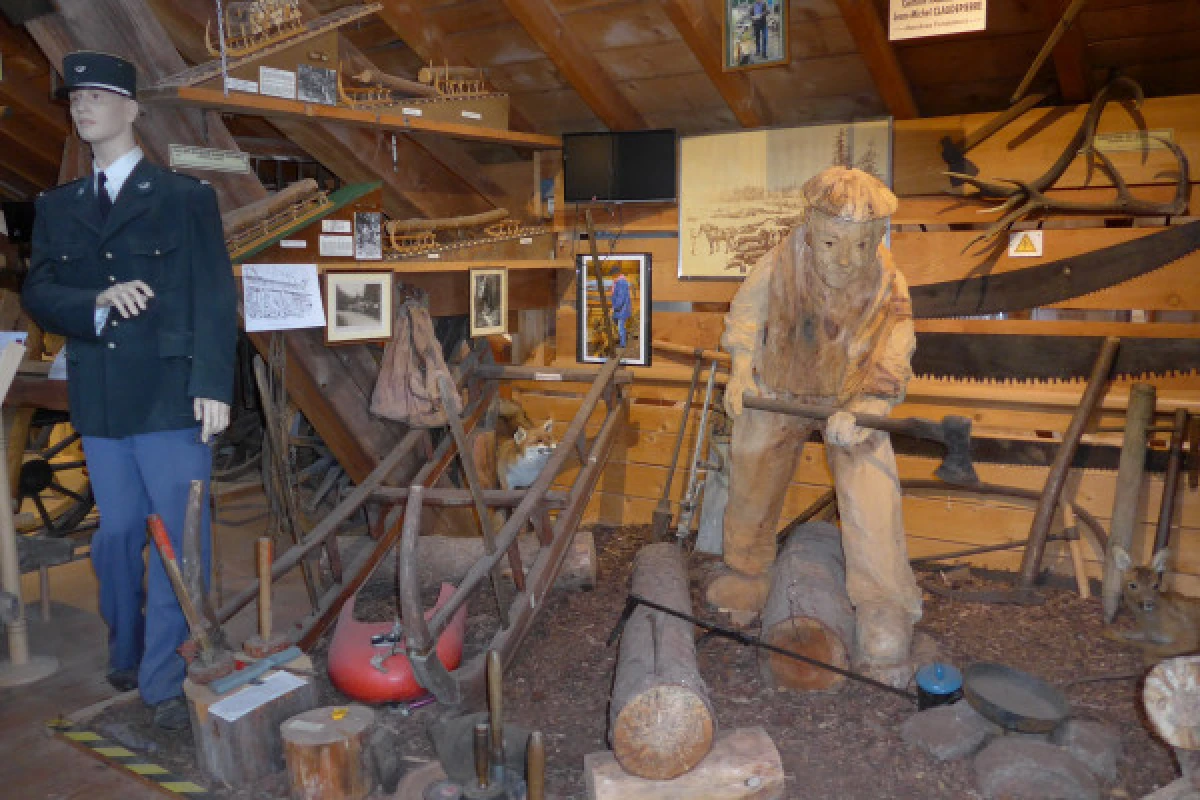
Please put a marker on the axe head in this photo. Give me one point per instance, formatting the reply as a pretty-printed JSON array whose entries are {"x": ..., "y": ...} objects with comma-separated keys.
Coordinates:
[{"x": 956, "y": 468}]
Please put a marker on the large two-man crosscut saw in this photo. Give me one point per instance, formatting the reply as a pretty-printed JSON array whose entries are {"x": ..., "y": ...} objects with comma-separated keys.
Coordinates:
[{"x": 1017, "y": 357}]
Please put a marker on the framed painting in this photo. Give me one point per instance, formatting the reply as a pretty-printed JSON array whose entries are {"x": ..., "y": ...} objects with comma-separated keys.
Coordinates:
[
  {"x": 358, "y": 306},
  {"x": 627, "y": 286},
  {"x": 489, "y": 301},
  {"x": 741, "y": 193},
  {"x": 755, "y": 34}
]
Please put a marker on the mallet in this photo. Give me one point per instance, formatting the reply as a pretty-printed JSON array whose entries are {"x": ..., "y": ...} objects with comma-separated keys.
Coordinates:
[{"x": 264, "y": 643}]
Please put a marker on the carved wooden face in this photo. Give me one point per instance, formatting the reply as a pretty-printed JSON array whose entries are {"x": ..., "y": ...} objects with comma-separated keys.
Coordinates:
[
  {"x": 101, "y": 116},
  {"x": 843, "y": 251}
]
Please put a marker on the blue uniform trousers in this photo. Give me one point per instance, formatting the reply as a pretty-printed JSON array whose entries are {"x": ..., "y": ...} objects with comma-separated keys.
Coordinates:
[{"x": 133, "y": 477}]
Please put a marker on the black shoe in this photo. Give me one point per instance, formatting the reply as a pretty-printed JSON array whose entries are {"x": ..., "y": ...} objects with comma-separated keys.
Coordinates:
[
  {"x": 171, "y": 715},
  {"x": 123, "y": 679}
]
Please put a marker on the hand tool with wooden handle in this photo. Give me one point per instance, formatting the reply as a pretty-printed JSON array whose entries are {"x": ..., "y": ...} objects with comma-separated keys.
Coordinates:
[
  {"x": 158, "y": 532},
  {"x": 264, "y": 643}
]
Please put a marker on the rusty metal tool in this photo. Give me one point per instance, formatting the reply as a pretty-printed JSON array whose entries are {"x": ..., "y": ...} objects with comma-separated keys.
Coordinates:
[{"x": 660, "y": 519}]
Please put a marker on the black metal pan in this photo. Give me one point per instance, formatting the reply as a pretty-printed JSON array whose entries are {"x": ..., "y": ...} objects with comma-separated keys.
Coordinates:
[{"x": 1014, "y": 700}]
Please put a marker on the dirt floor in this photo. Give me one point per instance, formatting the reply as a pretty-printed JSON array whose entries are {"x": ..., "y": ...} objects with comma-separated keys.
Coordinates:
[{"x": 844, "y": 745}]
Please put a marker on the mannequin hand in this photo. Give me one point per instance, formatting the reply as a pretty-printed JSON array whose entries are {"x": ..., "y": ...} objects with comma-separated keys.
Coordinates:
[
  {"x": 741, "y": 381},
  {"x": 841, "y": 430},
  {"x": 129, "y": 298},
  {"x": 213, "y": 416}
]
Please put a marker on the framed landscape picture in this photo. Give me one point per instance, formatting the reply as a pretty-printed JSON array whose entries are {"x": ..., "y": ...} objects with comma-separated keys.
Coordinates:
[
  {"x": 627, "y": 285},
  {"x": 358, "y": 306},
  {"x": 755, "y": 34},
  {"x": 741, "y": 193},
  {"x": 489, "y": 301}
]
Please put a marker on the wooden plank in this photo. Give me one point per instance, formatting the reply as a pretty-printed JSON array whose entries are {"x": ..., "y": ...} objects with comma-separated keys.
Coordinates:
[
  {"x": 276, "y": 107},
  {"x": 1145, "y": 19},
  {"x": 1024, "y": 149},
  {"x": 31, "y": 96},
  {"x": 862, "y": 18},
  {"x": 702, "y": 33},
  {"x": 434, "y": 266},
  {"x": 576, "y": 62}
]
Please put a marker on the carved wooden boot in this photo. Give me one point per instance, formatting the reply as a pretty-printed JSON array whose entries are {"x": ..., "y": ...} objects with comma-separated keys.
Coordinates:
[{"x": 745, "y": 595}]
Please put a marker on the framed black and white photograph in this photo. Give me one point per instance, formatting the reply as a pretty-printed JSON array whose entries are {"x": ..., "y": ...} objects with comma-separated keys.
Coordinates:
[
  {"x": 755, "y": 34},
  {"x": 368, "y": 235},
  {"x": 489, "y": 301},
  {"x": 358, "y": 306},
  {"x": 316, "y": 85},
  {"x": 627, "y": 287}
]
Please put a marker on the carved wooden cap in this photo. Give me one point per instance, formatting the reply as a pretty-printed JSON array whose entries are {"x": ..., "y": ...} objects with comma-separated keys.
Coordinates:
[{"x": 850, "y": 194}]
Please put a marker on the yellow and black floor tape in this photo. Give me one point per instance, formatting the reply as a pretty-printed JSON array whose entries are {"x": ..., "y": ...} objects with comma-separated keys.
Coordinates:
[{"x": 136, "y": 764}]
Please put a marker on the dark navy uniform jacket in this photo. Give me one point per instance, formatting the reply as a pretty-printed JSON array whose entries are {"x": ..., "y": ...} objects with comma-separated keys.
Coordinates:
[{"x": 141, "y": 374}]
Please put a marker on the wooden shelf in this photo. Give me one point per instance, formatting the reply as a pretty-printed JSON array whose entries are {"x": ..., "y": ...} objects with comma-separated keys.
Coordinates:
[
  {"x": 433, "y": 265},
  {"x": 274, "y": 107}
]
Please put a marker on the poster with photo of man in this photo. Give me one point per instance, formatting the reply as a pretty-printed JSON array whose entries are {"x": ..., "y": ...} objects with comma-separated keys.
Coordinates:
[{"x": 756, "y": 33}]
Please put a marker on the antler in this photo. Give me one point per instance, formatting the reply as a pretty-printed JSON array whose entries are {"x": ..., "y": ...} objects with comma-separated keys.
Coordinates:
[{"x": 1024, "y": 198}]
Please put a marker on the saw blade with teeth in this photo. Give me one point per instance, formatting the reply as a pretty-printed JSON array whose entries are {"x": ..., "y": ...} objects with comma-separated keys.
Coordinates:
[
  {"x": 1026, "y": 357},
  {"x": 1056, "y": 281}
]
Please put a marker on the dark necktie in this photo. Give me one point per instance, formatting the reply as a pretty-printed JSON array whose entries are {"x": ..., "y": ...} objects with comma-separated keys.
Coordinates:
[{"x": 102, "y": 197}]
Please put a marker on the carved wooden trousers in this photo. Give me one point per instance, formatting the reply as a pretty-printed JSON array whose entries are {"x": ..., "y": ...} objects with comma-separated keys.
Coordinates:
[{"x": 765, "y": 450}]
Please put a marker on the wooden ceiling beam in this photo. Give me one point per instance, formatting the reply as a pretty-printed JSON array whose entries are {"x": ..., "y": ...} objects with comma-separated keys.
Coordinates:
[
  {"x": 427, "y": 39},
  {"x": 16, "y": 187},
  {"x": 1070, "y": 56},
  {"x": 40, "y": 147},
  {"x": 582, "y": 70},
  {"x": 21, "y": 160},
  {"x": 701, "y": 31},
  {"x": 862, "y": 19},
  {"x": 31, "y": 96}
]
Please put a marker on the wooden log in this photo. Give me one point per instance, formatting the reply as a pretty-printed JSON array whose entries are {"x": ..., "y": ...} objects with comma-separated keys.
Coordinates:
[
  {"x": 250, "y": 214},
  {"x": 327, "y": 754},
  {"x": 1130, "y": 484},
  {"x": 808, "y": 610},
  {"x": 661, "y": 720},
  {"x": 1172, "y": 700},
  {"x": 237, "y": 735},
  {"x": 446, "y": 223},
  {"x": 744, "y": 765},
  {"x": 395, "y": 82}
]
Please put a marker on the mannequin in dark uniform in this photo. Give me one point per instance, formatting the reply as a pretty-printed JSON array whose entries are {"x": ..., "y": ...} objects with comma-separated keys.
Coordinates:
[{"x": 129, "y": 263}]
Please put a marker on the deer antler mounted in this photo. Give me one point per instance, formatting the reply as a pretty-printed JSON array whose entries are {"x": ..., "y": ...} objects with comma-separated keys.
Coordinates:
[{"x": 1023, "y": 198}]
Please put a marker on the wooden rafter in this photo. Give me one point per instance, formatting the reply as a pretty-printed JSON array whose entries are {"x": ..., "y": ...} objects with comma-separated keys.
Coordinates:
[
  {"x": 701, "y": 31},
  {"x": 426, "y": 38},
  {"x": 582, "y": 70},
  {"x": 1070, "y": 56},
  {"x": 862, "y": 18},
  {"x": 21, "y": 159},
  {"x": 42, "y": 149}
]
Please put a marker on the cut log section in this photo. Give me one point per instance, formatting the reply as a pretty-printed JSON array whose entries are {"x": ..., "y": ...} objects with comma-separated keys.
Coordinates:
[
  {"x": 327, "y": 754},
  {"x": 1172, "y": 700},
  {"x": 447, "y": 223},
  {"x": 661, "y": 720},
  {"x": 808, "y": 610},
  {"x": 249, "y": 215},
  {"x": 744, "y": 765}
]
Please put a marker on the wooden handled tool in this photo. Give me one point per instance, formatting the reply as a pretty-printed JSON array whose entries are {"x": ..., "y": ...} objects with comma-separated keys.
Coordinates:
[
  {"x": 535, "y": 775},
  {"x": 264, "y": 644},
  {"x": 158, "y": 532},
  {"x": 495, "y": 691}
]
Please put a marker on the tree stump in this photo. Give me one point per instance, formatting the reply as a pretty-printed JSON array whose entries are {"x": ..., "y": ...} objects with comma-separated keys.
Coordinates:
[
  {"x": 1171, "y": 697},
  {"x": 808, "y": 610},
  {"x": 327, "y": 753},
  {"x": 661, "y": 720}
]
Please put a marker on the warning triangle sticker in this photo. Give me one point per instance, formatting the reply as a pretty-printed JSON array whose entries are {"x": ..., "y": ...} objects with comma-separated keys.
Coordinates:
[{"x": 1025, "y": 245}]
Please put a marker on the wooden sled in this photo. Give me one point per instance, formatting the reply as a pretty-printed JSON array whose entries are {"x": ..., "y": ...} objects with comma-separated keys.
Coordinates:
[{"x": 351, "y": 653}]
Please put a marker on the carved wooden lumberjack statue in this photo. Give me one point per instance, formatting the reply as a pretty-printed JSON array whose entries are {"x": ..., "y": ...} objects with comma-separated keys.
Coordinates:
[{"x": 824, "y": 318}]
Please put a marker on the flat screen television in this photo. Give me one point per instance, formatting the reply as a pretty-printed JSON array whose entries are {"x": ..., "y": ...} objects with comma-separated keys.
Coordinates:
[{"x": 619, "y": 167}]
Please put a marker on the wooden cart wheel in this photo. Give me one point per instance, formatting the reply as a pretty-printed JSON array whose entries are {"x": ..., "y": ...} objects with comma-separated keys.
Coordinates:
[{"x": 54, "y": 493}]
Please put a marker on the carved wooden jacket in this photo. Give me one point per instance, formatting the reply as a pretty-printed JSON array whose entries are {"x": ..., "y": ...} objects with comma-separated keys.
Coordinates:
[{"x": 848, "y": 348}]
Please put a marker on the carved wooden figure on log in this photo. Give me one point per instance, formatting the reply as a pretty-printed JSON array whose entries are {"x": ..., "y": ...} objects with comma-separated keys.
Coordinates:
[{"x": 825, "y": 318}]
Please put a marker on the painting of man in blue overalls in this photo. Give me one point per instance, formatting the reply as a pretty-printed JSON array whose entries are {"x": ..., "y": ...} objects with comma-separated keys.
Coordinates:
[
  {"x": 755, "y": 33},
  {"x": 626, "y": 284}
]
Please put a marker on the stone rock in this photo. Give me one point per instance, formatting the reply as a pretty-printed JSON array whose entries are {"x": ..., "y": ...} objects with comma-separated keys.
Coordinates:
[
  {"x": 948, "y": 732},
  {"x": 1022, "y": 769},
  {"x": 1095, "y": 744}
]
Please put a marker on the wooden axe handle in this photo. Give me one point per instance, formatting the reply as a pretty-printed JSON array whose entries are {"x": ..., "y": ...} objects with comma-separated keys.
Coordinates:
[
  {"x": 158, "y": 532},
  {"x": 265, "y": 557}
]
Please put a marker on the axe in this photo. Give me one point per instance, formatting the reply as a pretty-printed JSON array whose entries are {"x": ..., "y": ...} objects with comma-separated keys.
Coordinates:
[{"x": 953, "y": 431}]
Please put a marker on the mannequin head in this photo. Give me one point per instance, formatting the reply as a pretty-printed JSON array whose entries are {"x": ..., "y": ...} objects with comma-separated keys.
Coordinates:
[
  {"x": 104, "y": 120},
  {"x": 102, "y": 89},
  {"x": 848, "y": 212}
]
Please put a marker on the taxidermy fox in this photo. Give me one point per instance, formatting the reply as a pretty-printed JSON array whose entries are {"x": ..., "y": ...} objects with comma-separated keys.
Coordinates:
[
  {"x": 1168, "y": 624},
  {"x": 509, "y": 452}
]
